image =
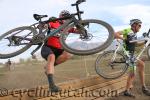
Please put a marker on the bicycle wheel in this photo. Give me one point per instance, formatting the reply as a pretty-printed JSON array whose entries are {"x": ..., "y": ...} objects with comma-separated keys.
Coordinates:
[
  {"x": 110, "y": 65},
  {"x": 100, "y": 36},
  {"x": 16, "y": 41},
  {"x": 148, "y": 52}
]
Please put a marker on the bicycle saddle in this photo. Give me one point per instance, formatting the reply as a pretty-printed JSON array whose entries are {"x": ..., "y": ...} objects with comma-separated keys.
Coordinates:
[{"x": 39, "y": 17}]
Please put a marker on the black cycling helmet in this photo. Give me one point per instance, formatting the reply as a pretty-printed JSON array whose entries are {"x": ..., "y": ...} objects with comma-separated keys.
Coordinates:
[
  {"x": 64, "y": 13},
  {"x": 135, "y": 21}
]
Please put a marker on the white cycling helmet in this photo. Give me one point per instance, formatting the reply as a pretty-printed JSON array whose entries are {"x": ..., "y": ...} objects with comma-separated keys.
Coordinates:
[
  {"x": 64, "y": 13},
  {"x": 135, "y": 21}
]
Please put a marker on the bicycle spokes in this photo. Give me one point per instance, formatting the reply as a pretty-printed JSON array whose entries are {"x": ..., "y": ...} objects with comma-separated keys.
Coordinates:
[
  {"x": 94, "y": 37},
  {"x": 109, "y": 67},
  {"x": 15, "y": 40},
  {"x": 86, "y": 37}
]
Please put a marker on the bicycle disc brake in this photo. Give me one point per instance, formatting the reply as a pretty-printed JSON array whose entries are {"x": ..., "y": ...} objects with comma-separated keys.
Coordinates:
[{"x": 86, "y": 37}]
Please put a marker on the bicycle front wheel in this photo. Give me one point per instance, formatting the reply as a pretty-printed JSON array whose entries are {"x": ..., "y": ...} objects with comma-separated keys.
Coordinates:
[
  {"x": 99, "y": 36},
  {"x": 111, "y": 65},
  {"x": 16, "y": 41}
]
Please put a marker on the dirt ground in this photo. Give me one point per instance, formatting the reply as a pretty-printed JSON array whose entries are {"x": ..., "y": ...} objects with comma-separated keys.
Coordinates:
[{"x": 31, "y": 74}]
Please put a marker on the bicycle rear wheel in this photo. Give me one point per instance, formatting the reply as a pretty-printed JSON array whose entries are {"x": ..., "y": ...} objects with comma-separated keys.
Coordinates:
[
  {"x": 110, "y": 65},
  {"x": 99, "y": 36},
  {"x": 16, "y": 41}
]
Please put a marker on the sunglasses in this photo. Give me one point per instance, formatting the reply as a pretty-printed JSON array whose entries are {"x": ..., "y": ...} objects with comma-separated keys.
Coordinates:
[{"x": 139, "y": 25}]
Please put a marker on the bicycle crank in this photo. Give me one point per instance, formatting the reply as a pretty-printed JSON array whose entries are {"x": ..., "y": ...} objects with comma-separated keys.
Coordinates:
[{"x": 38, "y": 39}]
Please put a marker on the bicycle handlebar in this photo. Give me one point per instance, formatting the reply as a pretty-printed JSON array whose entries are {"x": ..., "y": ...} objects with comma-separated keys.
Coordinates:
[
  {"x": 64, "y": 18},
  {"x": 135, "y": 41},
  {"x": 78, "y": 2},
  {"x": 144, "y": 39},
  {"x": 146, "y": 34},
  {"x": 39, "y": 17},
  {"x": 56, "y": 19}
]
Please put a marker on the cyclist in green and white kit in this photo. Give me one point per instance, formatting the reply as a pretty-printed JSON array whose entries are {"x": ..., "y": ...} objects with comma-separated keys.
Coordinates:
[{"x": 127, "y": 35}]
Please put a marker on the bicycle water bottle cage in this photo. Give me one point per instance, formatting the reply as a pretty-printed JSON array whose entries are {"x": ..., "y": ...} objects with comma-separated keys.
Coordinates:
[{"x": 39, "y": 17}]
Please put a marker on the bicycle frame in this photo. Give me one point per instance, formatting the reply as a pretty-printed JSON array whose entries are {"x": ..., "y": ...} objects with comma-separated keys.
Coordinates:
[
  {"x": 61, "y": 27},
  {"x": 127, "y": 53},
  {"x": 35, "y": 34},
  {"x": 71, "y": 17},
  {"x": 54, "y": 31},
  {"x": 118, "y": 47},
  {"x": 72, "y": 20}
]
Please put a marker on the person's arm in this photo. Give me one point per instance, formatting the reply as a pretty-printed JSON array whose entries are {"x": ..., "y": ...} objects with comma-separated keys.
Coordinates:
[
  {"x": 140, "y": 43},
  {"x": 118, "y": 35},
  {"x": 74, "y": 30}
]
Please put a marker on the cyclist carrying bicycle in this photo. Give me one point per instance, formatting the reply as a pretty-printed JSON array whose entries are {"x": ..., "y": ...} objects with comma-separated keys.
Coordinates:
[
  {"x": 53, "y": 53},
  {"x": 127, "y": 35}
]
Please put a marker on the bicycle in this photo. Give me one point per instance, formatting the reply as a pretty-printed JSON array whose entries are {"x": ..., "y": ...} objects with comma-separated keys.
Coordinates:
[
  {"x": 114, "y": 63},
  {"x": 86, "y": 42}
]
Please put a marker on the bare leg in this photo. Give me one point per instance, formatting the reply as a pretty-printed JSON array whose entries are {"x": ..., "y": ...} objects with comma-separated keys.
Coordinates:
[
  {"x": 63, "y": 57},
  {"x": 50, "y": 64},
  {"x": 141, "y": 66},
  {"x": 50, "y": 72},
  {"x": 130, "y": 81}
]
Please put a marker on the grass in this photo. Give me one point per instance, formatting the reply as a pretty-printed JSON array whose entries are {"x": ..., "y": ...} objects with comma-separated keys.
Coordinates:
[
  {"x": 3, "y": 70},
  {"x": 31, "y": 74}
]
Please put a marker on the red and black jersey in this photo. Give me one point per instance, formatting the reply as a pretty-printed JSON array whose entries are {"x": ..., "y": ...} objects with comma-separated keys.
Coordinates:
[{"x": 54, "y": 40}]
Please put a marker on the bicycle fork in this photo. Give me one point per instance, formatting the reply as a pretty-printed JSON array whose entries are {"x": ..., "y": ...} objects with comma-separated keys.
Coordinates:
[
  {"x": 115, "y": 53},
  {"x": 113, "y": 58}
]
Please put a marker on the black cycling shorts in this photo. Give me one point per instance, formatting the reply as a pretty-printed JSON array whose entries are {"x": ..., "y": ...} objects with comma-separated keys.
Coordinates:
[{"x": 47, "y": 50}]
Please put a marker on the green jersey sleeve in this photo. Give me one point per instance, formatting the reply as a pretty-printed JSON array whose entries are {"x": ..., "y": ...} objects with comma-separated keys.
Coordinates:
[{"x": 125, "y": 32}]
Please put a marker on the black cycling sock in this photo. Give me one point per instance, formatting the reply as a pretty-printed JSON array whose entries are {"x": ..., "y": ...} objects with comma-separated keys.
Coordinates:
[{"x": 50, "y": 80}]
